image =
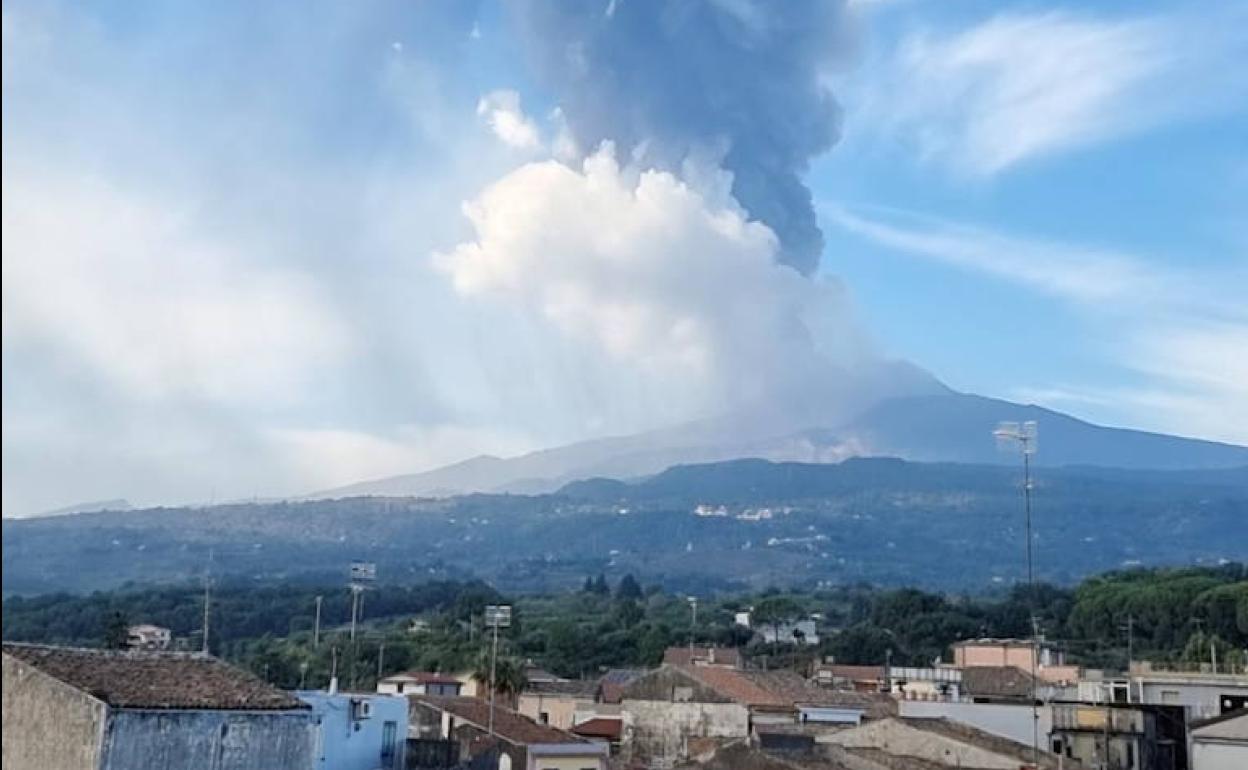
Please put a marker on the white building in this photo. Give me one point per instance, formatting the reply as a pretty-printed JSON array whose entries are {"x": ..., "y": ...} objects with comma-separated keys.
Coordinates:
[
  {"x": 148, "y": 637},
  {"x": 1220, "y": 743}
]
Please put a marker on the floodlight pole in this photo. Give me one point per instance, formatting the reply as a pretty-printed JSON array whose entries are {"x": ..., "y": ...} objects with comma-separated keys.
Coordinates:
[
  {"x": 493, "y": 673},
  {"x": 1025, "y": 436}
]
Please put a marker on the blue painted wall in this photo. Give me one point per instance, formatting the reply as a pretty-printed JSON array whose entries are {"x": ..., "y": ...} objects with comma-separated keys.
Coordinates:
[
  {"x": 198, "y": 740},
  {"x": 347, "y": 742}
]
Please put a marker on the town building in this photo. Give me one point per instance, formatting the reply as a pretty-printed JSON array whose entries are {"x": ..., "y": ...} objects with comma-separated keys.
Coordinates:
[
  {"x": 938, "y": 683},
  {"x": 1011, "y": 720},
  {"x": 420, "y": 683},
  {"x": 1203, "y": 694},
  {"x": 148, "y": 637},
  {"x": 856, "y": 678},
  {"x": 1047, "y": 662},
  {"x": 358, "y": 731},
  {"x": 78, "y": 709},
  {"x": 938, "y": 742},
  {"x": 518, "y": 743},
  {"x": 560, "y": 704},
  {"x": 726, "y": 657},
  {"x": 1221, "y": 742},
  {"x": 1121, "y": 736},
  {"x": 678, "y": 712}
]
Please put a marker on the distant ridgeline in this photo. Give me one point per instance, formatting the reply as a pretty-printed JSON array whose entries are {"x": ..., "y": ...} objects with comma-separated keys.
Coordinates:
[{"x": 704, "y": 528}]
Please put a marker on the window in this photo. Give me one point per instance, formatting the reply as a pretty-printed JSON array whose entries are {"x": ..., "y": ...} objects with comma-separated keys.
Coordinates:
[
  {"x": 388, "y": 731},
  {"x": 544, "y": 718},
  {"x": 1130, "y": 756},
  {"x": 400, "y": 688}
]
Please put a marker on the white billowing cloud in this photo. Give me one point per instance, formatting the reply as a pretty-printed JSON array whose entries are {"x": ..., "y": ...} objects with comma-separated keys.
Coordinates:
[
  {"x": 666, "y": 279},
  {"x": 153, "y": 304},
  {"x": 1024, "y": 85},
  {"x": 501, "y": 110}
]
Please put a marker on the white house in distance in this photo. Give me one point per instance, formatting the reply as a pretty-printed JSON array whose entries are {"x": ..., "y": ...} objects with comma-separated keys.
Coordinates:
[
  {"x": 145, "y": 636},
  {"x": 420, "y": 683}
]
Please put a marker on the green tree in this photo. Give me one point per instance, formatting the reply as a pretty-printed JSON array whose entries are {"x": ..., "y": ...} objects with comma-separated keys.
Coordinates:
[
  {"x": 116, "y": 630},
  {"x": 628, "y": 589},
  {"x": 775, "y": 611}
]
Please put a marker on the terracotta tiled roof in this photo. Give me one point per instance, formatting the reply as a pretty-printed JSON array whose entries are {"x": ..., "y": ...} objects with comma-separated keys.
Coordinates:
[
  {"x": 684, "y": 656},
  {"x": 508, "y": 725},
  {"x": 785, "y": 689},
  {"x": 155, "y": 680},
  {"x": 997, "y": 682},
  {"x": 600, "y": 727}
]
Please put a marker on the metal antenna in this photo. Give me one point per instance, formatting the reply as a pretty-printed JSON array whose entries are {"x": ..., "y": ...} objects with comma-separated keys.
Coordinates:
[{"x": 1024, "y": 435}]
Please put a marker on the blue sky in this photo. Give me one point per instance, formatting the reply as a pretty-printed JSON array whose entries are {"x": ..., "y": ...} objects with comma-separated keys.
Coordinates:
[{"x": 238, "y": 262}]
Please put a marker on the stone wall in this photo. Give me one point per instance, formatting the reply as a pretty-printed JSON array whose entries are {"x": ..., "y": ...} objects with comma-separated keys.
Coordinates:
[{"x": 48, "y": 725}]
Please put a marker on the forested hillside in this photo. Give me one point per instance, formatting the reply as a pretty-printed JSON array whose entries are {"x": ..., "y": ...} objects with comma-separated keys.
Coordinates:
[
  {"x": 1176, "y": 615},
  {"x": 730, "y": 526}
]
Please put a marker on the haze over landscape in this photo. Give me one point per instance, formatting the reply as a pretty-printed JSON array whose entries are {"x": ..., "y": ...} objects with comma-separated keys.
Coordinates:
[{"x": 374, "y": 241}]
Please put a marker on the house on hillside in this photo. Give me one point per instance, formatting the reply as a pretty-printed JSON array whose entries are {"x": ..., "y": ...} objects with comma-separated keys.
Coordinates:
[
  {"x": 420, "y": 683},
  {"x": 69, "y": 709},
  {"x": 518, "y": 743},
  {"x": 678, "y": 712},
  {"x": 146, "y": 636}
]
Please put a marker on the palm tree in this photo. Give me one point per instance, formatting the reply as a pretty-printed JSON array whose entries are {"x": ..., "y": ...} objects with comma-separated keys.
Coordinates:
[{"x": 508, "y": 675}]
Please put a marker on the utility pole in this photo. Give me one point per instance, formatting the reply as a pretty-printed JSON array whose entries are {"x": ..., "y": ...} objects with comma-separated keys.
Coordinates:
[{"x": 316, "y": 628}]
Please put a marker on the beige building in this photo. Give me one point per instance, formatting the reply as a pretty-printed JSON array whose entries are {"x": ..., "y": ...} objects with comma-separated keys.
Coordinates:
[
  {"x": 939, "y": 742},
  {"x": 145, "y": 636},
  {"x": 560, "y": 704},
  {"x": 1048, "y": 663}
]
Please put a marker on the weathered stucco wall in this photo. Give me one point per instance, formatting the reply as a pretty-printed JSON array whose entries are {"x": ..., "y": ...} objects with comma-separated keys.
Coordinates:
[
  {"x": 661, "y": 729},
  {"x": 900, "y": 739},
  {"x": 48, "y": 725},
  {"x": 209, "y": 740}
]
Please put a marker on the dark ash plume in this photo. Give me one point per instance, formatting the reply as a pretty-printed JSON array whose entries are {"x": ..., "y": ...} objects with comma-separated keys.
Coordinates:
[{"x": 668, "y": 79}]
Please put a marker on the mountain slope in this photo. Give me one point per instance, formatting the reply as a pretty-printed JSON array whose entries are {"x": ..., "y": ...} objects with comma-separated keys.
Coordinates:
[{"x": 936, "y": 427}]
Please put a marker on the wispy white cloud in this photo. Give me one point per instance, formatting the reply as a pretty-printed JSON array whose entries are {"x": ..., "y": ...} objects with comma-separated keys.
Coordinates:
[
  {"x": 502, "y": 112},
  {"x": 1022, "y": 85},
  {"x": 1180, "y": 332}
]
